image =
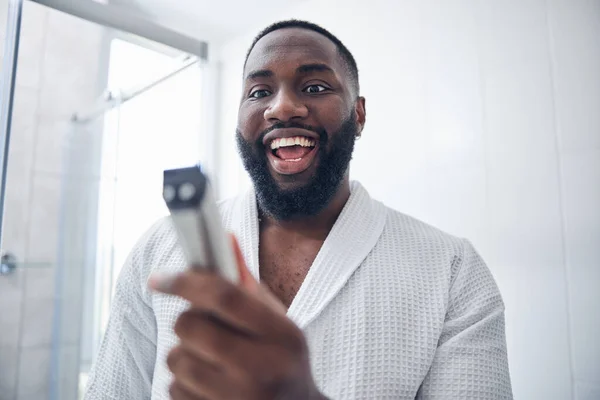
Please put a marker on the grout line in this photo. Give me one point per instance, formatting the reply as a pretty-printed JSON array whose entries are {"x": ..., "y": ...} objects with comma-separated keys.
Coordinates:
[{"x": 561, "y": 200}]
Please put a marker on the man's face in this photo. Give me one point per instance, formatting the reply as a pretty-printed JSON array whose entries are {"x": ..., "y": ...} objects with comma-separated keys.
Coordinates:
[{"x": 297, "y": 122}]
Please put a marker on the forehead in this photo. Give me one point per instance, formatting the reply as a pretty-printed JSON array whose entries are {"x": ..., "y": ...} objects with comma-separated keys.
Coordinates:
[{"x": 291, "y": 47}]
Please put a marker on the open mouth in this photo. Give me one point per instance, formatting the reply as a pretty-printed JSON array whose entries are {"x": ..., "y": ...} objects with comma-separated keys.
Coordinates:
[
  {"x": 292, "y": 155},
  {"x": 292, "y": 149}
]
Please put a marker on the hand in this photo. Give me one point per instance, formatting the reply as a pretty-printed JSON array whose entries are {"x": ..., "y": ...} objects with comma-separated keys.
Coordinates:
[{"x": 235, "y": 341}]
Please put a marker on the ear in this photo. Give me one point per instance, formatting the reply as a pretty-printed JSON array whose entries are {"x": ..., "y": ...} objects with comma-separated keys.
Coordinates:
[{"x": 361, "y": 113}]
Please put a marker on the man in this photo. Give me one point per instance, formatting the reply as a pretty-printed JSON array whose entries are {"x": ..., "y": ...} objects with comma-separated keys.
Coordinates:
[{"x": 357, "y": 301}]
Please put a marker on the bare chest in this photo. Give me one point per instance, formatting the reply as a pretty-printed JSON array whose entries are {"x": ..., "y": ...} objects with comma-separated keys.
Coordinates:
[{"x": 284, "y": 270}]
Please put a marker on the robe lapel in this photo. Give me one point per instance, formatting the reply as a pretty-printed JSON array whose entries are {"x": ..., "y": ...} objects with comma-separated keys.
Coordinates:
[
  {"x": 246, "y": 228},
  {"x": 351, "y": 239}
]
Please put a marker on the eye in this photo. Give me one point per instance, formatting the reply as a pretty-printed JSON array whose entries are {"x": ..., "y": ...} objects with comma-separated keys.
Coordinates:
[
  {"x": 315, "y": 89},
  {"x": 259, "y": 94}
]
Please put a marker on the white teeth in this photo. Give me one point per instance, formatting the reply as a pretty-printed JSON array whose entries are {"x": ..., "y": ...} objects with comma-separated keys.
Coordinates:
[{"x": 293, "y": 141}]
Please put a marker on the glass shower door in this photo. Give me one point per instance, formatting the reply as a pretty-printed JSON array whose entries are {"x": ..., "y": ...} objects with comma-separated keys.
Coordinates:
[
  {"x": 156, "y": 130},
  {"x": 75, "y": 185},
  {"x": 61, "y": 66},
  {"x": 111, "y": 189}
]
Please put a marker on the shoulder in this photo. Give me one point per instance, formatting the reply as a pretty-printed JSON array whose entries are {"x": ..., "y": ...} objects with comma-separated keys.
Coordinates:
[
  {"x": 232, "y": 210},
  {"x": 423, "y": 247},
  {"x": 227, "y": 206},
  {"x": 154, "y": 247},
  {"x": 419, "y": 234},
  {"x": 157, "y": 239}
]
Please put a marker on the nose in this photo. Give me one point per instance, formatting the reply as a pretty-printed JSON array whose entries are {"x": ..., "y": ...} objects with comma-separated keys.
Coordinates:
[{"x": 285, "y": 106}]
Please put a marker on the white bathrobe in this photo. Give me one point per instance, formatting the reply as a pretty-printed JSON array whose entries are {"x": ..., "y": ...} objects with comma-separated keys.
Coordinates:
[{"x": 392, "y": 309}]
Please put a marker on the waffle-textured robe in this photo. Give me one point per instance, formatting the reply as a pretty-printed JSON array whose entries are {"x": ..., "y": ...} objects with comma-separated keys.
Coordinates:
[{"x": 391, "y": 308}]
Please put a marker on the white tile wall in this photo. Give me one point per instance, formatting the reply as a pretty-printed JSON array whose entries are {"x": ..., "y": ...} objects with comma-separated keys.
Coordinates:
[
  {"x": 401, "y": 122},
  {"x": 51, "y": 144},
  {"x": 581, "y": 194},
  {"x": 44, "y": 218},
  {"x": 455, "y": 201},
  {"x": 575, "y": 37},
  {"x": 9, "y": 358},
  {"x": 89, "y": 35},
  {"x": 40, "y": 281},
  {"x": 454, "y": 113},
  {"x": 66, "y": 85},
  {"x": 83, "y": 162},
  {"x": 34, "y": 373},
  {"x": 63, "y": 148},
  {"x": 70, "y": 322},
  {"x": 519, "y": 133},
  {"x": 23, "y": 129},
  {"x": 69, "y": 364},
  {"x": 31, "y": 46},
  {"x": 11, "y": 289},
  {"x": 587, "y": 391},
  {"x": 575, "y": 45},
  {"x": 41, "y": 393},
  {"x": 523, "y": 195},
  {"x": 37, "y": 318},
  {"x": 59, "y": 67},
  {"x": 3, "y": 16},
  {"x": 19, "y": 171},
  {"x": 10, "y": 321}
]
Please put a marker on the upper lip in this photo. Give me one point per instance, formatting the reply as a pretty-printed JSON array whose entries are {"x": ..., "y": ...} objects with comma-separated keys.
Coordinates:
[{"x": 287, "y": 133}]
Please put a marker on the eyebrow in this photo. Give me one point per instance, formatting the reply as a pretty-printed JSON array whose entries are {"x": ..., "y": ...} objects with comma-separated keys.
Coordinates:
[
  {"x": 263, "y": 73},
  {"x": 303, "y": 69},
  {"x": 308, "y": 68}
]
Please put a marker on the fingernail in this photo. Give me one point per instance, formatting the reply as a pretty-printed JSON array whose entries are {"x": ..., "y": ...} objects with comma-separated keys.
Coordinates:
[{"x": 162, "y": 281}]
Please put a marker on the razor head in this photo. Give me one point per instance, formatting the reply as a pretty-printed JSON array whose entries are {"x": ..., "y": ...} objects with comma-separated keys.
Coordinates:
[{"x": 184, "y": 188}]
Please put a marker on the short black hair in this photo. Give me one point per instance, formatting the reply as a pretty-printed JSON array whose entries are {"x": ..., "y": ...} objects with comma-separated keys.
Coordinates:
[{"x": 347, "y": 57}]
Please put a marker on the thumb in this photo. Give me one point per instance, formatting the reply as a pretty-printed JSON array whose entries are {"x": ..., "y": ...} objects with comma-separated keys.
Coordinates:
[{"x": 246, "y": 279}]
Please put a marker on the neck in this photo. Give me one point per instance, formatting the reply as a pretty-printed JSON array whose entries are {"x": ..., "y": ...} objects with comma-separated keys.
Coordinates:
[{"x": 317, "y": 226}]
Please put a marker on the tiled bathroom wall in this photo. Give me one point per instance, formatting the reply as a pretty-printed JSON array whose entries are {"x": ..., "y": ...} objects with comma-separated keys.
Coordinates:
[{"x": 61, "y": 70}]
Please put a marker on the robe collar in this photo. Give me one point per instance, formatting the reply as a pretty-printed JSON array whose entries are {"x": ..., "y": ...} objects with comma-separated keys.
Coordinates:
[{"x": 353, "y": 236}]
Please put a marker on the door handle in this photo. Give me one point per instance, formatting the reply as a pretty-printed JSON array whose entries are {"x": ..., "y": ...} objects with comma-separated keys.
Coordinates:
[{"x": 8, "y": 264}]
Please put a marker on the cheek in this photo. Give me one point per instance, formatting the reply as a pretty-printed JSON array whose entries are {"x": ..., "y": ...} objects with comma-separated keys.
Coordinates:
[
  {"x": 251, "y": 121},
  {"x": 330, "y": 114}
]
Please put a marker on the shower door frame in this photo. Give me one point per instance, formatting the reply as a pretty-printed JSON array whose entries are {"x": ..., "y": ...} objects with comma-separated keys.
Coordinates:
[{"x": 8, "y": 79}]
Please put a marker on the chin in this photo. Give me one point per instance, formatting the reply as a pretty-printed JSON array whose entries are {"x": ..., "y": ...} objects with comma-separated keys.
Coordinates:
[{"x": 294, "y": 182}]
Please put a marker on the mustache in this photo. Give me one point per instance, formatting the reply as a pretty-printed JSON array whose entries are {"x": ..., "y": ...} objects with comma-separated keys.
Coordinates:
[{"x": 283, "y": 125}]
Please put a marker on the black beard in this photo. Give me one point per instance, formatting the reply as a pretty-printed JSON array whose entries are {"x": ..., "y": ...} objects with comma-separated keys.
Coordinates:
[{"x": 311, "y": 198}]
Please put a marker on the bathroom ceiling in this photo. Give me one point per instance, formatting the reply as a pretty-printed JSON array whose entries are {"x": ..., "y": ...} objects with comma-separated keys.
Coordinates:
[{"x": 209, "y": 20}]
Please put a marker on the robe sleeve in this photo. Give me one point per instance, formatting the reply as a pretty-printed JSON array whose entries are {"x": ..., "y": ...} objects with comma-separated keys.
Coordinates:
[
  {"x": 124, "y": 366},
  {"x": 471, "y": 358}
]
